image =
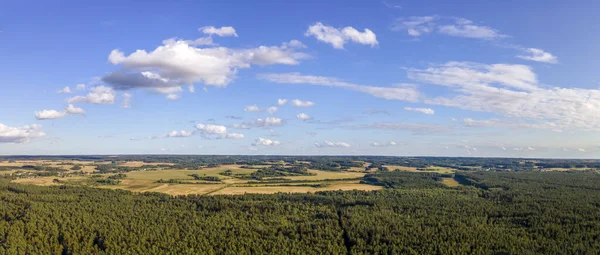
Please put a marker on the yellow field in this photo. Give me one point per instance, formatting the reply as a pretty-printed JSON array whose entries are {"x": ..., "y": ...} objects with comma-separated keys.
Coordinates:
[
  {"x": 450, "y": 182},
  {"x": 321, "y": 175},
  {"x": 46, "y": 181},
  {"x": 293, "y": 189}
]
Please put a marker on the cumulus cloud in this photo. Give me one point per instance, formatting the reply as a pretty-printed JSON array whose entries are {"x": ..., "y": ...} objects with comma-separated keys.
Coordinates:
[
  {"x": 539, "y": 55},
  {"x": 212, "y": 129},
  {"x": 332, "y": 144},
  {"x": 19, "y": 134},
  {"x": 179, "y": 62},
  {"x": 458, "y": 27},
  {"x": 378, "y": 144},
  {"x": 71, "y": 109},
  {"x": 252, "y": 108},
  {"x": 266, "y": 122},
  {"x": 281, "y": 101},
  {"x": 265, "y": 142},
  {"x": 126, "y": 100},
  {"x": 173, "y": 96},
  {"x": 337, "y": 38},
  {"x": 303, "y": 116},
  {"x": 427, "y": 111},
  {"x": 222, "y": 31},
  {"x": 98, "y": 95},
  {"x": 65, "y": 90},
  {"x": 182, "y": 133},
  {"x": 300, "y": 103},
  {"x": 405, "y": 93},
  {"x": 218, "y": 131},
  {"x": 80, "y": 87},
  {"x": 49, "y": 114}
]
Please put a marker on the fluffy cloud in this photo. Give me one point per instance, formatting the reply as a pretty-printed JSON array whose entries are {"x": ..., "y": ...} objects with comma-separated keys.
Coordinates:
[
  {"x": 49, "y": 114},
  {"x": 428, "y": 111},
  {"x": 388, "y": 144},
  {"x": 266, "y": 122},
  {"x": 19, "y": 134},
  {"x": 65, "y": 90},
  {"x": 405, "y": 93},
  {"x": 303, "y": 116},
  {"x": 71, "y": 109},
  {"x": 252, "y": 108},
  {"x": 98, "y": 95},
  {"x": 265, "y": 142},
  {"x": 300, "y": 103},
  {"x": 337, "y": 38},
  {"x": 458, "y": 27},
  {"x": 332, "y": 144},
  {"x": 539, "y": 55},
  {"x": 222, "y": 31},
  {"x": 80, "y": 87},
  {"x": 281, "y": 101},
  {"x": 212, "y": 129},
  {"x": 182, "y": 133},
  {"x": 179, "y": 62},
  {"x": 173, "y": 96},
  {"x": 126, "y": 100},
  {"x": 512, "y": 91}
]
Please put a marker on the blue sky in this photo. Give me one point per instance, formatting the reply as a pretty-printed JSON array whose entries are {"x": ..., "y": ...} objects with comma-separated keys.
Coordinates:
[{"x": 433, "y": 78}]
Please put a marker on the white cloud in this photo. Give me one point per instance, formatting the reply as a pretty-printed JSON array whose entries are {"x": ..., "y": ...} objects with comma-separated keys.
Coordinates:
[
  {"x": 405, "y": 93},
  {"x": 427, "y": 111},
  {"x": 388, "y": 144},
  {"x": 512, "y": 91},
  {"x": 458, "y": 27},
  {"x": 539, "y": 56},
  {"x": 466, "y": 28},
  {"x": 178, "y": 62},
  {"x": 234, "y": 136},
  {"x": 530, "y": 149},
  {"x": 252, "y": 108},
  {"x": 300, "y": 103},
  {"x": 281, "y": 101},
  {"x": 337, "y": 38},
  {"x": 126, "y": 100},
  {"x": 240, "y": 126},
  {"x": 272, "y": 109},
  {"x": 71, "y": 109},
  {"x": 222, "y": 31},
  {"x": 415, "y": 26},
  {"x": 332, "y": 144},
  {"x": 481, "y": 123},
  {"x": 80, "y": 87},
  {"x": 266, "y": 122},
  {"x": 265, "y": 142},
  {"x": 182, "y": 133},
  {"x": 98, "y": 95},
  {"x": 581, "y": 150},
  {"x": 212, "y": 129},
  {"x": 65, "y": 90},
  {"x": 173, "y": 96},
  {"x": 49, "y": 114},
  {"x": 303, "y": 116},
  {"x": 19, "y": 134}
]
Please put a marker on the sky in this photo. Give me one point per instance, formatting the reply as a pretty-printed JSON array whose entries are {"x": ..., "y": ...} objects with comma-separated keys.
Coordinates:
[{"x": 400, "y": 78}]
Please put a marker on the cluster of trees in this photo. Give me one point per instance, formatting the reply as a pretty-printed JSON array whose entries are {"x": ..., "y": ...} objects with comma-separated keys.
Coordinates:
[{"x": 494, "y": 213}]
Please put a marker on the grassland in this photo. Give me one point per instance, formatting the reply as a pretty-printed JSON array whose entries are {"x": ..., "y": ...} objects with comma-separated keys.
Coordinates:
[
  {"x": 450, "y": 182},
  {"x": 147, "y": 181}
]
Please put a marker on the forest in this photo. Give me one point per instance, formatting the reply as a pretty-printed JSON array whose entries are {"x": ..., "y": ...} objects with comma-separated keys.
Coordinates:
[{"x": 491, "y": 213}]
